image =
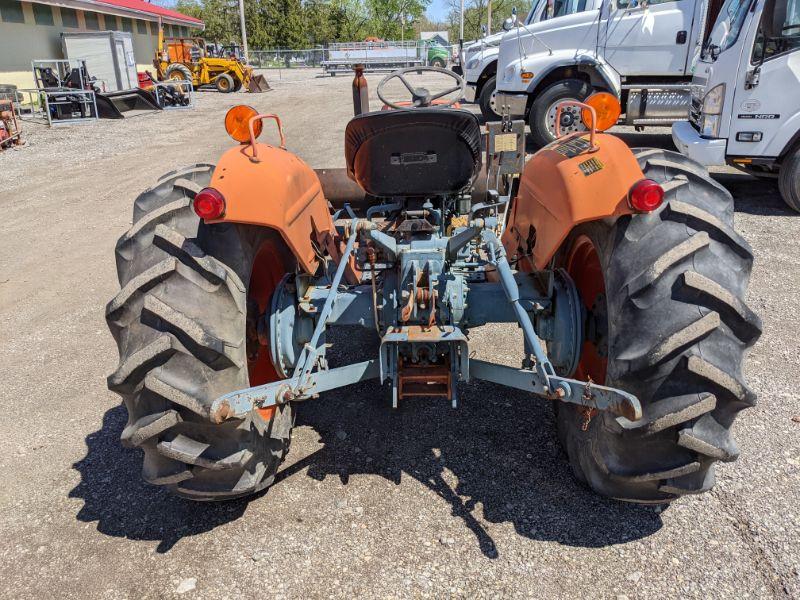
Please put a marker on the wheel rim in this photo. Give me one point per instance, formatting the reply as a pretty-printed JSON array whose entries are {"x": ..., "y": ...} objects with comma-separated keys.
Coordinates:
[
  {"x": 223, "y": 84},
  {"x": 570, "y": 118},
  {"x": 493, "y": 102},
  {"x": 266, "y": 273},
  {"x": 583, "y": 265}
]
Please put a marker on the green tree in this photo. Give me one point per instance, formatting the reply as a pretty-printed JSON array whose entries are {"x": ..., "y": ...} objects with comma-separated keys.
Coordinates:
[
  {"x": 476, "y": 13},
  {"x": 393, "y": 19}
]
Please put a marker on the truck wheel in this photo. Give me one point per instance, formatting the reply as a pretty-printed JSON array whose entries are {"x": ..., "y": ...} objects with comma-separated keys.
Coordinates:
[
  {"x": 179, "y": 72},
  {"x": 487, "y": 100},
  {"x": 185, "y": 323},
  {"x": 224, "y": 83},
  {"x": 542, "y": 116},
  {"x": 664, "y": 294},
  {"x": 789, "y": 180},
  {"x": 438, "y": 62},
  {"x": 237, "y": 85}
]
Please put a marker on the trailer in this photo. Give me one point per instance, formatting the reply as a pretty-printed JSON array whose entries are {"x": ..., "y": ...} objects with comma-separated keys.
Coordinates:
[{"x": 376, "y": 56}]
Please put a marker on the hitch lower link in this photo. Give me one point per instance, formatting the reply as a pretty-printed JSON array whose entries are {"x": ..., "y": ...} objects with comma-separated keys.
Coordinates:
[{"x": 538, "y": 377}]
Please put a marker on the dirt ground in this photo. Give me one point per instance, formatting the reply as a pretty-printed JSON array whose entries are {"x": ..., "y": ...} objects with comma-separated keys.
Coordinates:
[{"x": 425, "y": 502}]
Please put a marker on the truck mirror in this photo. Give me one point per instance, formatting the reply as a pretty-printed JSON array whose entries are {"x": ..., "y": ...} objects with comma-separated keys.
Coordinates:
[
  {"x": 483, "y": 30},
  {"x": 774, "y": 18},
  {"x": 508, "y": 24},
  {"x": 514, "y": 11}
]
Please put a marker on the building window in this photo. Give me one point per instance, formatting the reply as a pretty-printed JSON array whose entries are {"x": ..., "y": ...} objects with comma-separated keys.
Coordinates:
[
  {"x": 127, "y": 25},
  {"x": 11, "y": 11},
  {"x": 42, "y": 14},
  {"x": 69, "y": 18},
  {"x": 141, "y": 27},
  {"x": 92, "y": 22}
]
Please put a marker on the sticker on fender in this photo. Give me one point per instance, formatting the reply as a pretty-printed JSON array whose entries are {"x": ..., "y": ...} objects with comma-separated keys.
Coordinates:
[
  {"x": 590, "y": 166},
  {"x": 571, "y": 147}
]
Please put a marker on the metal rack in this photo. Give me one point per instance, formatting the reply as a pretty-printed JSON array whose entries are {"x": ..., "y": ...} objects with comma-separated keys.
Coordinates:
[{"x": 41, "y": 105}]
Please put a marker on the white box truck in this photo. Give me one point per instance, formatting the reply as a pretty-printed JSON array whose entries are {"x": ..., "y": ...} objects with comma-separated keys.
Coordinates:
[
  {"x": 641, "y": 51},
  {"x": 745, "y": 107}
]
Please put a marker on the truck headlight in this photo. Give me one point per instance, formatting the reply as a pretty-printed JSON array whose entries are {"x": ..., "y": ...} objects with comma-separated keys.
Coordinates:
[
  {"x": 709, "y": 126},
  {"x": 714, "y": 99},
  {"x": 712, "y": 109}
]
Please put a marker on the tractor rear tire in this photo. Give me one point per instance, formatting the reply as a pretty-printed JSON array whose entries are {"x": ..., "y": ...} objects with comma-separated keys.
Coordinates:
[
  {"x": 674, "y": 329},
  {"x": 181, "y": 327},
  {"x": 789, "y": 180},
  {"x": 224, "y": 83},
  {"x": 179, "y": 72},
  {"x": 541, "y": 116}
]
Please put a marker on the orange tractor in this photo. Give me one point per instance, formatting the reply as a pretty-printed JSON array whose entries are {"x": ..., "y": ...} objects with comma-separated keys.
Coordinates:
[{"x": 621, "y": 267}]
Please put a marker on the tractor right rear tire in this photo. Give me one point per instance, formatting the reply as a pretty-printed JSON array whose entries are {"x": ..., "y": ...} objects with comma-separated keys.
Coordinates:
[
  {"x": 183, "y": 324},
  {"x": 665, "y": 294},
  {"x": 789, "y": 180},
  {"x": 224, "y": 83}
]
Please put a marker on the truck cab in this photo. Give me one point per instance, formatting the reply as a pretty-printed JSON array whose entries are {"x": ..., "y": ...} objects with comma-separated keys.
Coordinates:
[
  {"x": 745, "y": 106},
  {"x": 565, "y": 50}
]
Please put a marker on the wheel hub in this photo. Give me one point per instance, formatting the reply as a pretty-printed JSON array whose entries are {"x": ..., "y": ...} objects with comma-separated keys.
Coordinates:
[{"x": 570, "y": 120}]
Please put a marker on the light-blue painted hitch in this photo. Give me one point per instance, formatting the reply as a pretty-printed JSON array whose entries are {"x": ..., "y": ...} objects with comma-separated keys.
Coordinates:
[{"x": 430, "y": 294}]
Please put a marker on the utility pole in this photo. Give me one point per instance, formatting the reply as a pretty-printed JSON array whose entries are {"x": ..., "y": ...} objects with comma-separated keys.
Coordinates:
[
  {"x": 461, "y": 26},
  {"x": 244, "y": 31},
  {"x": 489, "y": 18}
]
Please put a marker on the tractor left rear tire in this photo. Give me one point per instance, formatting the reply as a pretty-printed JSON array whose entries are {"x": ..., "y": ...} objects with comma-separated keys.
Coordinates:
[
  {"x": 181, "y": 326},
  {"x": 665, "y": 293}
]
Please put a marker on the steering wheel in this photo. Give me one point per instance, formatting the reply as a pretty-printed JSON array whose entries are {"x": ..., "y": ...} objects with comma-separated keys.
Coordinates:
[{"x": 421, "y": 97}]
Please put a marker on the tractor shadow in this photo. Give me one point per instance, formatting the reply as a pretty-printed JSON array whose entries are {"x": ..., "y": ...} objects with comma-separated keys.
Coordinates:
[
  {"x": 123, "y": 505},
  {"x": 496, "y": 458}
]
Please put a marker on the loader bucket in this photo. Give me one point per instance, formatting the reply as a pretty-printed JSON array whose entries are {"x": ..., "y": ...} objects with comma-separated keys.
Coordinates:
[
  {"x": 258, "y": 84},
  {"x": 111, "y": 105}
]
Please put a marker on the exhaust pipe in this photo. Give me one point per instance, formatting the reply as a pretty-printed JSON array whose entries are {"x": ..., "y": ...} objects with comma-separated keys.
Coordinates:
[{"x": 360, "y": 91}]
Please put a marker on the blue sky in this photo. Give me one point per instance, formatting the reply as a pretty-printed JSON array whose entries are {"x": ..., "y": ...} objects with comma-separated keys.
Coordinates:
[{"x": 437, "y": 11}]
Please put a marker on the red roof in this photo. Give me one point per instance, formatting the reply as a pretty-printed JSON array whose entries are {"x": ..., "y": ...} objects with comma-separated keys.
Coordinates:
[{"x": 153, "y": 9}]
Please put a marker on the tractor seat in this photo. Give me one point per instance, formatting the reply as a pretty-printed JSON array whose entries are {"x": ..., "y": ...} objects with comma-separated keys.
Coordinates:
[{"x": 418, "y": 152}]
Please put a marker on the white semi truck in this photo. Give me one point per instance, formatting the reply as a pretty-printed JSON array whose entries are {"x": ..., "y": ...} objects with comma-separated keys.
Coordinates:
[
  {"x": 641, "y": 51},
  {"x": 745, "y": 107}
]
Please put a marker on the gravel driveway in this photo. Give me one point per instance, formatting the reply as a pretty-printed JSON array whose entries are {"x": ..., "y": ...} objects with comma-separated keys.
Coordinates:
[{"x": 422, "y": 502}]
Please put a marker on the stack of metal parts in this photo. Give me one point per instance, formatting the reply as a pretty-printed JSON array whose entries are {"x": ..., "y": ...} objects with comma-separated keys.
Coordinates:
[{"x": 10, "y": 130}]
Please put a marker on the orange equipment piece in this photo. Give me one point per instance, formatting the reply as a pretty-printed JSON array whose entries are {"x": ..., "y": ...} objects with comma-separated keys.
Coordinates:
[
  {"x": 563, "y": 184},
  {"x": 605, "y": 107},
  {"x": 271, "y": 187}
]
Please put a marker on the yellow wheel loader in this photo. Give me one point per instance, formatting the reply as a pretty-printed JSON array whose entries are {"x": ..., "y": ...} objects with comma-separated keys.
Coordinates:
[{"x": 186, "y": 59}]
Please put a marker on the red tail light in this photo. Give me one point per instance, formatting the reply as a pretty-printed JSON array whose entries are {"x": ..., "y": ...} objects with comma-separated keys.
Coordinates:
[
  {"x": 646, "y": 196},
  {"x": 209, "y": 204}
]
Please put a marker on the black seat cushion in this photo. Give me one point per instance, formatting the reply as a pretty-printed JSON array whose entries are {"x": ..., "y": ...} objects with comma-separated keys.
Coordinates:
[{"x": 416, "y": 152}]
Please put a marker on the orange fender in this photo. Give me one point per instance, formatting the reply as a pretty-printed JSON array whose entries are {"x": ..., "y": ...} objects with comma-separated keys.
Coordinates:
[
  {"x": 281, "y": 192},
  {"x": 565, "y": 184}
]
